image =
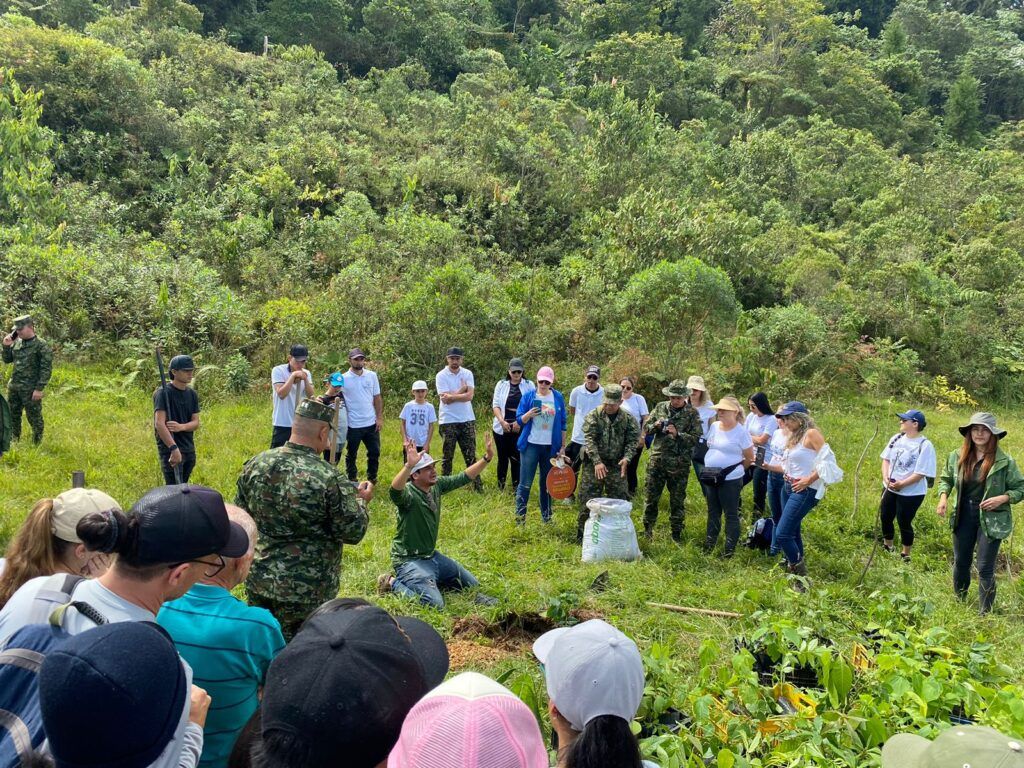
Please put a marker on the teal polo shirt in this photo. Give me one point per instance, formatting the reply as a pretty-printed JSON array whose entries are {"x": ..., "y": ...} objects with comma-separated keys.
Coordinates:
[{"x": 229, "y": 646}]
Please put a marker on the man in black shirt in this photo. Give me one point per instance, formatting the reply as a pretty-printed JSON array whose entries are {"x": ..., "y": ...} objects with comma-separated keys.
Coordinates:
[{"x": 175, "y": 419}]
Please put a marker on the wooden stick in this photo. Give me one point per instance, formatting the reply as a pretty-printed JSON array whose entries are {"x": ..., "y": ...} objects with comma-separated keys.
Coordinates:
[{"x": 701, "y": 611}]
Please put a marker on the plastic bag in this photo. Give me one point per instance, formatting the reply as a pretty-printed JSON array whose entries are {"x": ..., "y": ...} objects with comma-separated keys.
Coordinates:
[{"x": 609, "y": 533}]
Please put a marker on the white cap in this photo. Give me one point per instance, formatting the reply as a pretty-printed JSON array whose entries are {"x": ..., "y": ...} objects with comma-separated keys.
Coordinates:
[
  {"x": 419, "y": 384},
  {"x": 592, "y": 669},
  {"x": 71, "y": 506},
  {"x": 425, "y": 461}
]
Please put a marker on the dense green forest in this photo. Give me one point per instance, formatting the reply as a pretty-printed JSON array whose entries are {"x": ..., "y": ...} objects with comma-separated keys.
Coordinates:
[{"x": 793, "y": 194}]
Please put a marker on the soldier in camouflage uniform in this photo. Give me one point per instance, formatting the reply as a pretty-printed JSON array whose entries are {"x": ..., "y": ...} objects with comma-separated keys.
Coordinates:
[
  {"x": 33, "y": 364},
  {"x": 610, "y": 442},
  {"x": 675, "y": 426},
  {"x": 305, "y": 510}
]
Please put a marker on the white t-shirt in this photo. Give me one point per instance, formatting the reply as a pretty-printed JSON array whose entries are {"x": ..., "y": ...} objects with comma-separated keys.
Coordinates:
[
  {"x": 360, "y": 389},
  {"x": 446, "y": 381},
  {"x": 705, "y": 413},
  {"x": 725, "y": 448},
  {"x": 776, "y": 448},
  {"x": 761, "y": 425},
  {"x": 284, "y": 408},
  {"x": 907, "y": 457},
  {"x": 636, "y": 406},
  {"x": 543, "y": 422},
  {"x": 584, "y": 401},
  {"x": 418, "y": 419}
]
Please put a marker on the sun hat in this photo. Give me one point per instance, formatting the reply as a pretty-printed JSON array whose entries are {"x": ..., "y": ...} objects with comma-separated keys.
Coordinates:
[
  {"x": 424, "y": 461},
  {"x": 793, "y": 406},
  {"x": 591, "y": 669},
  {"x": 342, "y": 687},
  {"x": 696, "y": 382},
  {"x": 419, "y": 384},
  {"x": 468, "y": 721},
  {"x": 612, "y": 394},
  {"x": 725, "y": 404},
  {"x": 914, "y": 415},
  {"x": 968, "y": 746},
  {"x": 112, "y": 697},
  {"x": 676, "y": 389},
  {"x": 546, "y": 374},
  {"x": 983, "y": 419},
  {"x": 71, "y": 506}
]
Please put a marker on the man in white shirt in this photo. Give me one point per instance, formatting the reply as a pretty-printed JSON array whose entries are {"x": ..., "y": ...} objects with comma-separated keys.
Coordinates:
[
  {"x": 582, "y": 400},
  {"x": 365, "y": 415},
  {"x": 456, "y": 420},
  {"x": 292, "y": 383}
]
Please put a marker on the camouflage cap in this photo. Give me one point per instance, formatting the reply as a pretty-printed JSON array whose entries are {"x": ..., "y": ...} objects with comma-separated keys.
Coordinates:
[
  {"x": 676, "y": 389},
  {"x": 314, "y": 409},
  {"x": 21, "y": 322},
  {"x": 613, "y": 394}
]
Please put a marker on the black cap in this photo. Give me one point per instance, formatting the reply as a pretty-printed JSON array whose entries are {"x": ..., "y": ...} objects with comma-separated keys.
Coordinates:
[
  {"x": 344, "y": 685},
  {"x": 178, "y": 523},
  {"x": 182, "y": 363},
  {"x": 299, "y": 352},
  {"x": 112, "y": 696},
  {"x": 355, "y": 352},
  {"x": 455, "y": 352}
]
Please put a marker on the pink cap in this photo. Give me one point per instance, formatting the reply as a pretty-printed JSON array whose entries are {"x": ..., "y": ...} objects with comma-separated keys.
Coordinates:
[
  {"x": 469, "y": 721},
  {"x": 546, "y": 374}
]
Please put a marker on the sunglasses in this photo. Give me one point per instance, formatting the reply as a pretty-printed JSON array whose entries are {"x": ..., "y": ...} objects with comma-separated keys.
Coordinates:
[
  {"x": 591, "y": 377},
  {"x": 520, "y": 373},
  {"x": 628, "y": 388},
  {"x": 544, "y": 381}
]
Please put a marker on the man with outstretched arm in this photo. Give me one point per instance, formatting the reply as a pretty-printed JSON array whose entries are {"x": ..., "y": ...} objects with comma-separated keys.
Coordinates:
[{"x": 421, "y": 571}]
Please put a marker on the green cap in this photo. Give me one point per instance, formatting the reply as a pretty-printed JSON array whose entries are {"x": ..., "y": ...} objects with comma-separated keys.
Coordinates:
[
  {"x": 676, "y": 389},
  {"x": 613, "y": 394},
  {"x": 21, "y": 322},
  {"x": 961, "y": 746},
  {"x": 314, "y": 409}
]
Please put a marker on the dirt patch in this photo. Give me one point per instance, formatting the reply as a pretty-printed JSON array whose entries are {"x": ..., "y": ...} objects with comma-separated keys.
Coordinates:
[
  {"x": 465, "y": 654},
  {"x": 513, "y": 632}
]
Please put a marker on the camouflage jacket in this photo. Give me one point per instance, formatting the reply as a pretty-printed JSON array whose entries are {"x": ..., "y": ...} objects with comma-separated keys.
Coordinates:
[
  {"x": 608, "y": 440},
  {"x": 666, "y": 447},
  {"x": 304, "y": 510},
  {"x": 1003, "y": 477},
  {"x": 33, "y": 363}
]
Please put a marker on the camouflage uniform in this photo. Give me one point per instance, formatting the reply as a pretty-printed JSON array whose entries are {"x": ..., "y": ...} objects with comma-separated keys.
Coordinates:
[
  {"x": 463, "y": 435},
  {"x": 607, "y": 441},
  {"x": 669, "y": 463},
  {"x": 305, "y": 511},
  {"x": 33, "y": 365}
]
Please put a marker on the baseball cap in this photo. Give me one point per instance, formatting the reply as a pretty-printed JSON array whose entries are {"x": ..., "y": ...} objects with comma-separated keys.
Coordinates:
[
  {"x": 612, "y": 394},
  {"x": 337, "y": 379},
  {"x": 182, "y": 363},
  {"x": 976, "y": 746},
  {"x": 546, "y": 374},
  {"x": 516, "y": 364},
  {"x": 112, "y": 696},
  {"x": 425, "y": 461},
  {"x": 178, "y": 523},
  {"x": 914, "y": 415},
  {"x": 419, "y": 384},
  {"x": 344, "y": 685},
  {"x": 593, "y": 370},
  {"x": 454, "y": 352},
  {"x": 355, "y": 352},
  {"x": 71, "y": 506},
  {"x": 299, "y": 352},
  {"x": 592, "y": 669},
  {"x": 470, "y": 721},
  {"x": 793, "y": 406}
]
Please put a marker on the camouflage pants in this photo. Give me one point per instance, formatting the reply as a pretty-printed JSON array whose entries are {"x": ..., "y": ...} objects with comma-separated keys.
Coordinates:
[
  {"x": 674, "y": 476},
  {"x": 21, "y": 399},
  {"x": 612, "y": 487},
  {"x": 463, "y": 435},
  {"x": 290, "y": 615}
]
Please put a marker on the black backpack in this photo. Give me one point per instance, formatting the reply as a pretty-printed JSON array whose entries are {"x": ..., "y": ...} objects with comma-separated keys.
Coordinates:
[{"x": 760, "y": 536}]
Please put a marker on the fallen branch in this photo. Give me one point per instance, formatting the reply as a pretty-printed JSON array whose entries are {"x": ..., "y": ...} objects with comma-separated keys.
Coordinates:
[{"x": 701, "y": 611}]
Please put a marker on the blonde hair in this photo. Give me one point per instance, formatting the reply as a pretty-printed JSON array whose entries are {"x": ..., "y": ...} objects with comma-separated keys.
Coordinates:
[
  {"x": 705, "y": 399},
  {"x": 803, "y": 423},
  {"x": 34, "y": 551},
  {"x": 731, "y": 400}
]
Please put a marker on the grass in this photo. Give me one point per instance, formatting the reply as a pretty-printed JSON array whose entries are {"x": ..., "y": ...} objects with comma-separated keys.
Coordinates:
[{"x": 93, "y": 424}]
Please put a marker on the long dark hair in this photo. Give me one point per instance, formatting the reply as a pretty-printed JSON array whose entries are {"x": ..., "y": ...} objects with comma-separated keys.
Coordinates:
[
  {"x": 606, "y": 741},
  {"x": 760, "y": 399}
]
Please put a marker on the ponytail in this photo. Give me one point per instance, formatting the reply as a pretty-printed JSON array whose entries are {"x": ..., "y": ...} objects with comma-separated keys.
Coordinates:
[
  {"x": 606, "y": 740},
  {"x": 34, "y": 551}
]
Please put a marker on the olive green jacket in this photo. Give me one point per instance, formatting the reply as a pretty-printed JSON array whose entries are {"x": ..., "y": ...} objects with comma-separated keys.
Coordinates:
[{"x": 1004, "y": 477}]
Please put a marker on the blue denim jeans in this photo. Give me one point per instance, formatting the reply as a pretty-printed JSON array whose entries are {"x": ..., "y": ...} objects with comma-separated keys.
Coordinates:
[
  {"x": 775, "y": 483},
  {"x": 795, "y": 507},
  {"x": 424, "y": 579},
  {"x": 533, "y": 458}
]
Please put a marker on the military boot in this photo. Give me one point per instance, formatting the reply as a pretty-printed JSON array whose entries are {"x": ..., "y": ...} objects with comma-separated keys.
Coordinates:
[{"x": 799, "y": 569}]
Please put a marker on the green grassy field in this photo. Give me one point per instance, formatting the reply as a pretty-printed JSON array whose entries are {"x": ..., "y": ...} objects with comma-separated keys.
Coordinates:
[{"x": 93, "y": 425}]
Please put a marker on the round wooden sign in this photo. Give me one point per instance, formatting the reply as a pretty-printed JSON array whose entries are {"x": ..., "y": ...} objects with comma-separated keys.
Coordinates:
[{"x": 561, "y": 481}]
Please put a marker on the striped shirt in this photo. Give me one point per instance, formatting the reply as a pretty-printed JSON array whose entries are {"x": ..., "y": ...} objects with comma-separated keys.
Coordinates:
[{"x": 230, "y": 646}]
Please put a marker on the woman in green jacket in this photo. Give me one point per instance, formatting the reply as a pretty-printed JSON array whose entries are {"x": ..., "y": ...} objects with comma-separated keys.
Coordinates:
[{"x": 987, "y": 482}]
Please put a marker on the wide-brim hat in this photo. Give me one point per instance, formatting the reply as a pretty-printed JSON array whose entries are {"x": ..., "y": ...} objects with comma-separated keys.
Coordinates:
[
  {"x": 984, "y": 419},
  {"x": 970, "y": 745},
  {"x": 696, "y": 382},
  {"x": 677, "y": 388}
]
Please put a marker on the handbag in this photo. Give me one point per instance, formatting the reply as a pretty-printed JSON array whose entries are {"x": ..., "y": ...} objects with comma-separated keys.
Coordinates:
[
  {"x": 713, "y": 477},
  {"x": 700, "y": 451}
]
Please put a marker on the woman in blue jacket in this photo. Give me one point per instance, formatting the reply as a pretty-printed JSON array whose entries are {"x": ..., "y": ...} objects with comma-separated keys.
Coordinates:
[{"x": 542, "y": 416}]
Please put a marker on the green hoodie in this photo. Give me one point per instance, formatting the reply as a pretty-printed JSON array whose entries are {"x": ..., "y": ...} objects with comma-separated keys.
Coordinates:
[{"x": 1004, "y": 477}]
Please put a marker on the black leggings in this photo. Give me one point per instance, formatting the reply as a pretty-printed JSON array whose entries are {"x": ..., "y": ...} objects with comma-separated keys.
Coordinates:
[
  {"x": 508, "y": 457},
  {"x": 901, "y": 509}
]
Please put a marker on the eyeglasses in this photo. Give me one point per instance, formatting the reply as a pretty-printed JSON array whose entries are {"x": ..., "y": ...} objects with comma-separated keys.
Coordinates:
[{"x": 217, "y": 567}]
